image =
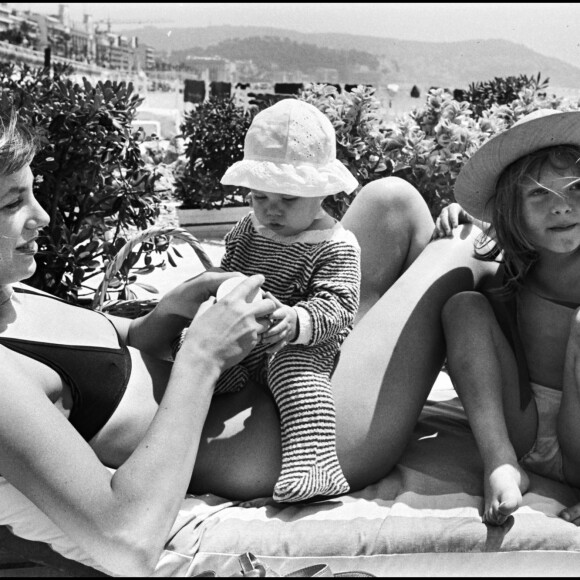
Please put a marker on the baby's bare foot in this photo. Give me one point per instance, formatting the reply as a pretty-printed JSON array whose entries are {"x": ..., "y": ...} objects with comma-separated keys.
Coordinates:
[{"x": 503, "y": 489}]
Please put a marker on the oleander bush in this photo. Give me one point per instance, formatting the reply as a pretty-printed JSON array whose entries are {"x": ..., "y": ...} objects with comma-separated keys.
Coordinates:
[
  {"x": 214, "y": 133},
  {"x": 215, "y": 130},
  {"x": 427, "y": 146},
  {"x": 90, "y": 177},
  {"x": 93, "y": 181},
  {"x": 441, "y": 135}
]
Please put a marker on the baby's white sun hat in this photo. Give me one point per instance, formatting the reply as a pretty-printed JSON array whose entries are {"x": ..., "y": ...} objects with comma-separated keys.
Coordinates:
[{"x": 290, "y": 148}]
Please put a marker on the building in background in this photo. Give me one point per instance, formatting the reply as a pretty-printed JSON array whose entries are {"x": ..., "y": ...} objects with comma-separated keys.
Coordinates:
[{"x": 88, "y": 42}]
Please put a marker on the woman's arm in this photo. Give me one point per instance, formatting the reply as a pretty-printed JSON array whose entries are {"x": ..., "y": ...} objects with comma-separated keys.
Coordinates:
[
  {"x": 155, "y": 332},
  {"x": 122, "y": 520}
]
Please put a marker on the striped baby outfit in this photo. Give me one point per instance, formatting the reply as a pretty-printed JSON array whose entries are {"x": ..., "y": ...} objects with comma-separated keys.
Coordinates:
[{"x": 318, "y": 273}]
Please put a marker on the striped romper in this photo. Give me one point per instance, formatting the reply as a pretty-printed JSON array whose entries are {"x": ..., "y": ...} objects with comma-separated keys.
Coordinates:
[{"x": 318, "y": 273}]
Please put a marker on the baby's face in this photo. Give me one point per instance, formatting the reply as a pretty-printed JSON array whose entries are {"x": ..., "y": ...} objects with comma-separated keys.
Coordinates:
[{"x": 286, "y": 215}]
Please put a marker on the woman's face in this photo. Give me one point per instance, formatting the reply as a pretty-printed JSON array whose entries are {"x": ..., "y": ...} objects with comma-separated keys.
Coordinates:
[
  {"x": 551, "y": 209},
  {"x": 21, "y": 216}
]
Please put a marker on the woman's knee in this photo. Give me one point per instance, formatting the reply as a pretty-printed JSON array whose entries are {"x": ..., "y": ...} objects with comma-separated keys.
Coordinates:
[
  {"x": 393, "y": 225},
  {"x": 390, "y": 197}
]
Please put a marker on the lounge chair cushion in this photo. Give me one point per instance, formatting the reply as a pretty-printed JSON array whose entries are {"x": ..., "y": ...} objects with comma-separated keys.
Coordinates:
[{"x": 423, "y": 519}]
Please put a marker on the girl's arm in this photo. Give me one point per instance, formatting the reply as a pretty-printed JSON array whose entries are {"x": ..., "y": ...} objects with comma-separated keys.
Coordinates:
[
  {"x": 452, "y": 216},
  {"x": 123, "y": 520}
]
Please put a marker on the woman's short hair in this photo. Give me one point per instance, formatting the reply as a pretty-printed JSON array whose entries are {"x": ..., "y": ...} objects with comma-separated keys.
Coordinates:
[
  {"x": 508, "y": 226},
  {"x": 18, "y": 143}
]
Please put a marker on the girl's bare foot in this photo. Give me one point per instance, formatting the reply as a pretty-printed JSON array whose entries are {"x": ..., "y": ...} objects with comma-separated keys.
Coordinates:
[{"x": 503, "y": 489}]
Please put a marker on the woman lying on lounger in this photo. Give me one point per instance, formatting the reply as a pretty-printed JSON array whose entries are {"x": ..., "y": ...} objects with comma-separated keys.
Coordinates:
[{"x": 81, "y": 390}]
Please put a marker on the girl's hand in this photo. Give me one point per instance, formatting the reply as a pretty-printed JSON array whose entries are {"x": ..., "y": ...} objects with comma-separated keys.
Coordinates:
[
  {"x": 228, "y": 330},
  {"x": 283, "y": 326},
  {"x": 449, "y": 218}
]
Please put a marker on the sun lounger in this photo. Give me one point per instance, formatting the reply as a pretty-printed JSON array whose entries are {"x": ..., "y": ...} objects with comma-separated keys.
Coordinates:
[{"x": 423, "y": 519}]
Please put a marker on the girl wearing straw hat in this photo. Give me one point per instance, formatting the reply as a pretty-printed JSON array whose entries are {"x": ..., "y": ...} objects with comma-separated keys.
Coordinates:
[{"x": 519, "y": 380}]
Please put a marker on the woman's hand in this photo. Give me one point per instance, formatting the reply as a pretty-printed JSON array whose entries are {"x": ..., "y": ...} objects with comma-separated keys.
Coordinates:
[
  {"x": 449, "y": 218},
  {"x": 185, "y": 299},
  {"x": 228, "y": 330}
]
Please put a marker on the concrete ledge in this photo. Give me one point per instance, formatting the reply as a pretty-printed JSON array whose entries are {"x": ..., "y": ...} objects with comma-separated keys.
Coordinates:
[
  {"x": 204, "y": 217},
  {"x": 214, "y": 223}
]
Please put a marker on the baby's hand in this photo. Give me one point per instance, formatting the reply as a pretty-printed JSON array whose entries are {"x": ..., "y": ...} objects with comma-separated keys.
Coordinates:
[
  {"x": 449, "y": 218},
  {"x": 283, "y": 326}
]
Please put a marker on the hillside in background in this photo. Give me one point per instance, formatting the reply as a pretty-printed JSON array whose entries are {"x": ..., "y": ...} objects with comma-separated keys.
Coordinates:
[
  {"x": 450, "y": 64},
  {"x": 269, "y": 52}
]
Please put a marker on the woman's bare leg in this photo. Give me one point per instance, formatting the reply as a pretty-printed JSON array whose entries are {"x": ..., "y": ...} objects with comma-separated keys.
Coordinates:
[
  {"x": 391, "y": 359},
  {"x": 484, "y": 373},
  {"x": 393, "y": 225},
  {"x": 387, "y": 365}
]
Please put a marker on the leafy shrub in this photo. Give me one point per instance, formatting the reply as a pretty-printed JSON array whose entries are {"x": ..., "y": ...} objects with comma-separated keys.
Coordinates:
[
  {"x": 364, "y": 143},
  {"x": 500, "y": 91},
  {"x": 437, "y": 140},
  {"x": 89, "y": 173},
  {"x": 440, "y": 136},
  {"x": 214, "y": 133},
  {"x": 427, "y": 146}
]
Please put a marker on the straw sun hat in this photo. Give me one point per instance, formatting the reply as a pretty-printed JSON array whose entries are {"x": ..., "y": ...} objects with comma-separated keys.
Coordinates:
[
  {"x": 476, "y": 182},
  {"x": 290, "y": 148}
]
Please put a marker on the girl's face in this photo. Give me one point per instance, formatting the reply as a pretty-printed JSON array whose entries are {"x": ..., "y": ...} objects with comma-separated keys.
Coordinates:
[
  {"x": 21, "y": 216},
  {"x": 551, "y": 209},
  {"x": 286, "y": 215}
]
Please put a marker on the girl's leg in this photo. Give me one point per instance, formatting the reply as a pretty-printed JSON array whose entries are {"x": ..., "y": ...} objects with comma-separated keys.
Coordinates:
[
  {"x": 387, "y": 365},
  {"x": 484, "y": 372},
  {"x": 569, "y": 414}
]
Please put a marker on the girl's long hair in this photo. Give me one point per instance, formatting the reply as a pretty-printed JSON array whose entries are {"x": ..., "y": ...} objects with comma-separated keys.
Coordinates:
[{"x": 513, "y": 247}]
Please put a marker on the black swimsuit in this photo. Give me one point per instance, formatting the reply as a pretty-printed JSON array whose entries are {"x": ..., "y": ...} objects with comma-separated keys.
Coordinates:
[{"x": 97, "y": 376}]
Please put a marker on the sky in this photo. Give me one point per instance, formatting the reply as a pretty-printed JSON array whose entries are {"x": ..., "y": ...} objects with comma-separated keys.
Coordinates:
[{"x": 552, "y": 29}]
